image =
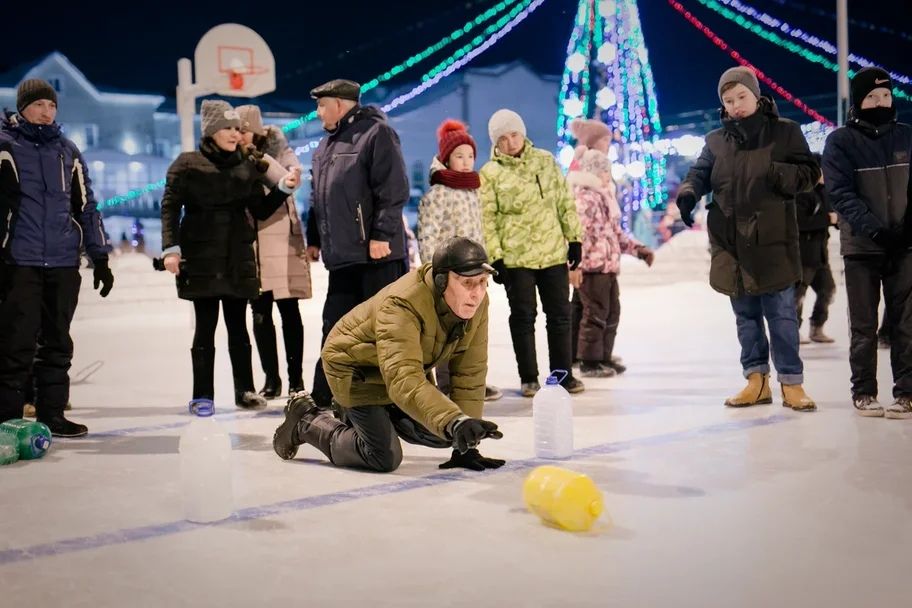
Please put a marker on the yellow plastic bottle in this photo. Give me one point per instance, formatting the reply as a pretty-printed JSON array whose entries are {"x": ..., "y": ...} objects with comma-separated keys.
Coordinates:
[{"x": 564, "y": 498}]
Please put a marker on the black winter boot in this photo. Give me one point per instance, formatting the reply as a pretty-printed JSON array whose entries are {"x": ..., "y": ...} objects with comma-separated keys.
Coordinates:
[
  {"x": 304, "y": 422},
  {"x": 203, "y": 360},
  {"x": 242, "y": 372}
]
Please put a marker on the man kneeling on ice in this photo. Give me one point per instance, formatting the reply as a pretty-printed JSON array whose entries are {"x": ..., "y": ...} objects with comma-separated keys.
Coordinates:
[{"x": 378, "y": 359}]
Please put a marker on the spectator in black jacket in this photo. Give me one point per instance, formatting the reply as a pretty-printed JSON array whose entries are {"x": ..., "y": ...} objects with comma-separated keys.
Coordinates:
[
  {"x": 866, "y": 166},
  {"x": 815, "y": 216},
  {"x": 755, "y": 165},
  {"x": 358, "y": 191},
  {"x": 207, "y": 243}
]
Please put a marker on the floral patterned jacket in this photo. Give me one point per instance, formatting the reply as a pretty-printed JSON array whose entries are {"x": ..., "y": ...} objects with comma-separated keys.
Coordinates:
[
  {"x": 603, "y": 238},
  {"x": 444, "y": 213}
]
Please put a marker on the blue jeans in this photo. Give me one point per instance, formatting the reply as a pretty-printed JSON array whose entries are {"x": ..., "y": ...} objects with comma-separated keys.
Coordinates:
[{"x": 779, "y": 310}]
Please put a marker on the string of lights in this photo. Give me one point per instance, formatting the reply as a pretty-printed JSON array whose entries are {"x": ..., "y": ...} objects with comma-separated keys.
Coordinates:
[
  {"x": 815, "y": 41},
  {"x": 867, "y": 25},
  {"x": 410, "y": 62},
  {"x": 719, "y": 42},
  {"x": 788, "y": 45}
]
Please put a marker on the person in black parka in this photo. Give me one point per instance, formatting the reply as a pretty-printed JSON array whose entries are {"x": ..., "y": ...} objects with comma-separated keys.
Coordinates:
[
  {"x": 815, "y": 216},
  {"x": 754, "y": 166},
  {"x": 866, "y": 166},
  {"x": 210, "y": 249}
]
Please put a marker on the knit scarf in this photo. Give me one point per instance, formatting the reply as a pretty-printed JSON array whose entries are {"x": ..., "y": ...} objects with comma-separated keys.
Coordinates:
[{"x": 458, "y": 180}]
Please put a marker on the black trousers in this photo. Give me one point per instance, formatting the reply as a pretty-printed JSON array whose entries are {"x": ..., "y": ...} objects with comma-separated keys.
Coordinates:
[
  {"x": 554, "y": 290},
  {"x": 36, "y": 300},
  {"x": 864, "y": 277},
  {"x": 367, "y": 437},
  {"x": 600, "y": 296},
  {"x": 203, "y": 352},
  {"x": 348, "y": 287},
  {"x": 821, "y": 281},
  {"x": 265, "y": 335}
]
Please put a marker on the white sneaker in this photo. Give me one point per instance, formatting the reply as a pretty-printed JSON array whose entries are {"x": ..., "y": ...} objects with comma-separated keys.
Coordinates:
[
  {"x": 866, "y": 405},
  {"x": 899, "y": 409}
]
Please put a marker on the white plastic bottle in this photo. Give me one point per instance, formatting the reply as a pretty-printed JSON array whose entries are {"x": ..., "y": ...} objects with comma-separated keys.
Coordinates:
[
  {"x": 205, "y": 470},
  {"x": 552, "y": 417}
]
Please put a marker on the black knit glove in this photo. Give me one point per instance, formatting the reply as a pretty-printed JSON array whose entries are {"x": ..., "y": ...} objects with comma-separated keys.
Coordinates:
[
  {"x": 687, "y": 202},
  {"x": 471, "y": 460},
  {"x": 467, "y": 433},
  {"x": 574, "y": 255},
  {"x": 501, "y": 277},
  {"x": 103, "y": 276}
]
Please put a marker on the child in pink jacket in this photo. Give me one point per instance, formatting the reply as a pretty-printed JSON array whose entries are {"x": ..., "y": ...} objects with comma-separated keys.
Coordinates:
[{"x": 603, "y": 243}]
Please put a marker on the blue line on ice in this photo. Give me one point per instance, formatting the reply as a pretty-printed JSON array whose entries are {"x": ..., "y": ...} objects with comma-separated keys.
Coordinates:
[{"x": 128, "y": 535}]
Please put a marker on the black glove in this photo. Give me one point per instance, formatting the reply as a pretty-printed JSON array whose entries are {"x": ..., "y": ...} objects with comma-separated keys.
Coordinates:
[
  {"x": 471, "y": 460},
  {"x": 103, "y": 276},
  {"x": 889, "y": 239},
  {"x": 687, "y": 202},
  {"x": 574, "y": 255},
  {"x": 468, "y": 432},
  {"x": 501, "y": 277}
]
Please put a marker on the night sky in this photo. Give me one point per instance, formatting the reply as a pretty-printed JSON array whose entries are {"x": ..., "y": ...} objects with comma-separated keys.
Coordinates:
[{"x": 136, "y": 49}]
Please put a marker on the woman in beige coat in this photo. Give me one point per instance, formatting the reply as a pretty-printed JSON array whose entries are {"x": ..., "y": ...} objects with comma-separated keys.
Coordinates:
[{"x": 283, "y": 266}]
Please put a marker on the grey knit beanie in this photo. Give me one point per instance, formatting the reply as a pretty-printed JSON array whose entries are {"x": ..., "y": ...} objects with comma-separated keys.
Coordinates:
[
  {"x": 251, "y": 119},
  {"x": 740, "y": 75},
  {"x": 216, "y": 114},
  {"x": 32, "y": 90}
]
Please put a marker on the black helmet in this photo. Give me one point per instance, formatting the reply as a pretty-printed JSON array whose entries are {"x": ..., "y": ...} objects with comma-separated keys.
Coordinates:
[{"x": 462, "y": 256}]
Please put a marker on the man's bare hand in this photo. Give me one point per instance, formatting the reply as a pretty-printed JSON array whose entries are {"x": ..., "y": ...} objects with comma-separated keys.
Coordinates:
[
  {"x": 172, "y": 263},
  {"x": 313, "y": 253},
  {"x": 379, "y": 249}
]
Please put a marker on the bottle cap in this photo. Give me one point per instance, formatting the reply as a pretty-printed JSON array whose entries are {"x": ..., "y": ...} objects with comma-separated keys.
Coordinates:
[{"x": 553, "y": 379}]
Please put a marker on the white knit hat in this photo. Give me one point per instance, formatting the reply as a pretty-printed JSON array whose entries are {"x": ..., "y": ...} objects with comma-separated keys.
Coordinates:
[{"x": 503, "y": 122}]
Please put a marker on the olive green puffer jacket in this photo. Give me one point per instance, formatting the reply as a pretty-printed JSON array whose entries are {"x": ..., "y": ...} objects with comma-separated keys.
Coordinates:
[
  {"x": 529, "y": 210},
  {"x": 383, "y": 351}
]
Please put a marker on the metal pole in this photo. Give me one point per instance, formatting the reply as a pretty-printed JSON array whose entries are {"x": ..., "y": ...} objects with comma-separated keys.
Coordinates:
[
  {"x": 186, "y": 104},
  {"x": 842, "y": 42}
]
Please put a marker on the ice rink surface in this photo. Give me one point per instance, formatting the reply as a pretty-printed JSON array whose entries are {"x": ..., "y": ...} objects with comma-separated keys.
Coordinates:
[{"x": 705, "y": 506}]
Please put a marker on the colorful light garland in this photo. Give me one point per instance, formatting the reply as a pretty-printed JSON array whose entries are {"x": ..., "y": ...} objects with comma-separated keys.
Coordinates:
[
  {"x": 867, "y": 25},
  {"x": 608, "y": 76},
  {"x": 410, "y": 62},
  {"x": 788, "y": 45},
  {"x": 815, "y": 41},
  {"x": 719, "y": 42}
]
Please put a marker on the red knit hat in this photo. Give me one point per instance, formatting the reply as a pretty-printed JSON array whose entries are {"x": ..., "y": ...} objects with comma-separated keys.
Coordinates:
[{"x": 450, "y": 135}]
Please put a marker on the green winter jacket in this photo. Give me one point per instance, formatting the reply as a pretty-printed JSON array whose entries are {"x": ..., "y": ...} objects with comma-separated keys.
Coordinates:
[
  {"x": 383, "y": 350},
  {"x": 529, "y": 211}
]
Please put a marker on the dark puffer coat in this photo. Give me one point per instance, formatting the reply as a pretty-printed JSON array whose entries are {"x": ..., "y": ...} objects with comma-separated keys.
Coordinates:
[
  {"x": 215, "y": 190},
  {"x": 754, "y": 167}
]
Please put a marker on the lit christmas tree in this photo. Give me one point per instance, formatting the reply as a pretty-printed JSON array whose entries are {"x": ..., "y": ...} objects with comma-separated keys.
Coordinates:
[{"x": 608, "y": 77}]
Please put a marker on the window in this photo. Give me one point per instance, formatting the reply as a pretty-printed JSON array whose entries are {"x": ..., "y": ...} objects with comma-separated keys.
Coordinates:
[
  {"x": 91, "y": 136},
  {"x": 57, "y": 83}
]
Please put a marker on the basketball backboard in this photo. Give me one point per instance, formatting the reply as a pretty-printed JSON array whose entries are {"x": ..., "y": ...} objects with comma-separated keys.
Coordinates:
[{"x": 235, "y": 61}]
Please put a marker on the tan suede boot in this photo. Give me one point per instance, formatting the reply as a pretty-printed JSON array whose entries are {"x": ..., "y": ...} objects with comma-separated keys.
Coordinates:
[
  {"x": 793, "y": 396},
  {"x": 756, "y": 392}
]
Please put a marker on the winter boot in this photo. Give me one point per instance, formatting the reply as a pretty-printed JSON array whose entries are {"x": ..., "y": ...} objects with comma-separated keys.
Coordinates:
[
  {"x": 756, "y": 392},
  {"x": 242, "y": 373},
  {"x": 867, "y": 406},
  {"x": 528, "y": 389},
  {"x": 203, "y": 360},
  {"x": 900, "y": 409},
  {"x": 304, "y": 422},
  {"x": 265, "y": 337},
  {"x": 61, "y": 427},
  {"x": 272, "y": 388},
  {"x": 591, "y": 369},
  {"x": 817, "y": 335},
  {"x": 793, "y": 396},
  {"x": 573, "y": 385},
  {"x": 492, "y": 393}
]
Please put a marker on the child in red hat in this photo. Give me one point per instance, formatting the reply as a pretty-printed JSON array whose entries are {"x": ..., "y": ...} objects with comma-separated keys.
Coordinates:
[{"x": 451, "y": 207}]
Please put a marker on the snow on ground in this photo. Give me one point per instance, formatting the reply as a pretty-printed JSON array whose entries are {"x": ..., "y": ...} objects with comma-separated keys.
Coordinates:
[{"x": 710, "y": 506}]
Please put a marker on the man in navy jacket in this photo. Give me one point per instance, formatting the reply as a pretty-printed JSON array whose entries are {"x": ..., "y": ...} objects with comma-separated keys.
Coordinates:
[
  {"x": 48, "y": 214},
  {"x": 358, "y": 190},
  {"x": 866, "y": 169}
]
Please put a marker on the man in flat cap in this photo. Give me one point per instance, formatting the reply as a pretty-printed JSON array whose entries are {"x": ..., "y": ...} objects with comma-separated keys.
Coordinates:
[{"x": 358, "y": 191}]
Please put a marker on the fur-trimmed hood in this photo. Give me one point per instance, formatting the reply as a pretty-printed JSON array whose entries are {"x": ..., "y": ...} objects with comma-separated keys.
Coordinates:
[{"x": 584, "y": 179}]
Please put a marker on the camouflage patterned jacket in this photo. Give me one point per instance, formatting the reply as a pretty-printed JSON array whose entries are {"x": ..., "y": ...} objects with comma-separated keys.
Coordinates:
[{"x": 529, "y": 212}]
